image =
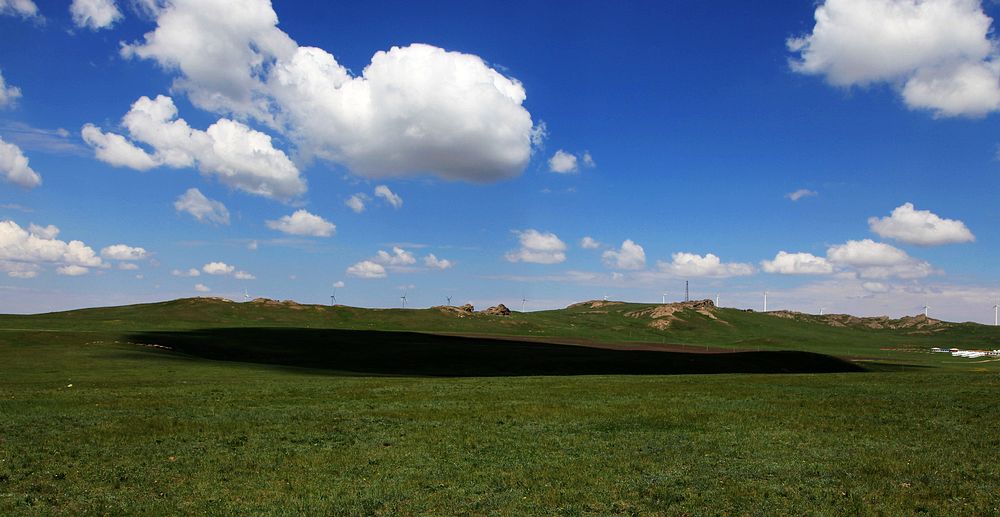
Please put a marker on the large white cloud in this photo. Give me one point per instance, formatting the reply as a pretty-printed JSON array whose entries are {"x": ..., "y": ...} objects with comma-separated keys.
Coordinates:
[
  {"x": 8, "y": 94},
  {"x": 219, "y": 47},
  {"x": 302, "y": 222},
  {"x": 939, "y": 53},
  {"x": 235, "y": 154},
  {"x": 202, "y": 208},
  {"x": 366, "y": 269},
  {"x": 629, "y": 256},
  {"x": 797, "y": 264},
  {"x": 877, "y": 260},
  {"x": 920, "y": 227},
  {"x": 414, "y": 109},
  {"x": 538, "y": 248},
  {"x": 94, "y": 14},
  {"x": 708, "y": 265},
  {"x": 21, "y": 251},
  {"x": 14, "y": 167},
  {"x": 23, "y": 8}
]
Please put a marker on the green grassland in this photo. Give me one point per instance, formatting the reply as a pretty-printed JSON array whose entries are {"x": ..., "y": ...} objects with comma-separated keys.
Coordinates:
[{"x": 93, "y": 420}]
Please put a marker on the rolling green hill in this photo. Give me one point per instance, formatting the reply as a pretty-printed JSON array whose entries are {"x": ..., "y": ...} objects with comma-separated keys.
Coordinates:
[{"x": 694, "y": 325}]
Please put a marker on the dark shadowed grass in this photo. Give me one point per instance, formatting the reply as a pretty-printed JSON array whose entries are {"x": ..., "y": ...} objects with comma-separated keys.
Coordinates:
[{"x": 410, "y": 353}]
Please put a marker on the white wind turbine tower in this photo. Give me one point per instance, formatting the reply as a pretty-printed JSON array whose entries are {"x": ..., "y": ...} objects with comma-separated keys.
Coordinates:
[
  {"x": 522, "y": 303},
  {"x": 664, "y": 297},
  {"x": 821, "y": 309},
  {"x": 246, "y": 295},
  {"x": 403, "y": 298},
  {"x": 765, "y": 301},
  {"x": 449, "y": 300},
  {"x": 996, "y": 313},
  {"x": 716, "y": 299},
  {"x": 925, "y": 310}
]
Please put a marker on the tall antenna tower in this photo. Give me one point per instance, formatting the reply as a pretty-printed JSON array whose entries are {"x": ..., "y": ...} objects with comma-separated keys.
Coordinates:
[{"x": 687, "y": 291}]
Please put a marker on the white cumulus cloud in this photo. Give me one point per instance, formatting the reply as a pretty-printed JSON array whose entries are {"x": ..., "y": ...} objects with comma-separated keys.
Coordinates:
[
  {"x": 123, "y": 252},
  {"x": 189, "y": 273},
  {"x": 46, "y": 232},
  {"x": 785, "y": 263},
  {"x": 877, "y": 260},
  {"x": 14, "y": 167},
  {"x": 589, "y": 243},
  {"x": 217, "y": 268},
  {"x": 357, "y": 202},
  {"x": 398, "y": 257},
  {"x": 8, "y": 94},
  {"x": 22, "y": 8},
  {"x": 708, "y": 265},
  {"x": 72, "y": 270},
  {"x": 203, "y": 209},
  {"x": 938, "y": 53},
  {"x": 366, "y": 269},
  {"x": 22, "y": 251},
  {"x": 563, "y": 162},
  {"x": 201, "y": 288},
  {"x": 920, "y": 227},
  {"x": 94, "y": 14},
  {"x": 302, "y": 222},
  {"x": 243, "y": 275},
  {"x": 417, "y": 109},
  {"x": 389, "y": 196},
  {"x": 233, "y": 153},
  {"x": 538, "y": 248},
  {"x": 433, "y": 262},
  {"x": 629, "y": 256}
]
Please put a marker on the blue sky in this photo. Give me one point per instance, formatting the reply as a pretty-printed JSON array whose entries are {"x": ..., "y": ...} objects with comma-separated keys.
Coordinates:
[{"x": 475, "y": 122}]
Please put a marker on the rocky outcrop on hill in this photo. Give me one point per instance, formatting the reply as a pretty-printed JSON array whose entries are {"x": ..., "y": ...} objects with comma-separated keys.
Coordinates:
[
  {"x": 461, "y": 312},
  {"x": 916, "y": 323},
  {"x": 498, "y": 310},
  {"x": 664, "y": 315},
  {"x": 594, "y": 304},
  {"x": 275, "y": 303}
]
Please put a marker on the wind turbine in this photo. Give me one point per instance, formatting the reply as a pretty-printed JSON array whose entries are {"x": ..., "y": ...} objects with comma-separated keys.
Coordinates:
[
  {"x": 664, "y": 297},
  {"x": 403, "y": 298},
  {"x": 522, "y": 303},
  {"x": 246, "y": 295},
  {"x": 996, "y": 313},
  {"x": 716, "y": 299},
  {"x": 765, "y": 301},
  {"x": 449, "y": 300},
  {"x": 925, "y": 310},
  {"x": 821, "y": 309}
]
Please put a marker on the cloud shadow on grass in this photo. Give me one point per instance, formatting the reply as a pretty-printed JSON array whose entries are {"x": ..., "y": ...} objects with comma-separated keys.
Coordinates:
[{"x": 418, "y": 354}]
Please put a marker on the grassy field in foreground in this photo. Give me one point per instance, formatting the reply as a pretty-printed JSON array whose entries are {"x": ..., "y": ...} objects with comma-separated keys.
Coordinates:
[
  {"x": 144, "y": 432},
  {"x": 93, "y": 423}
]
